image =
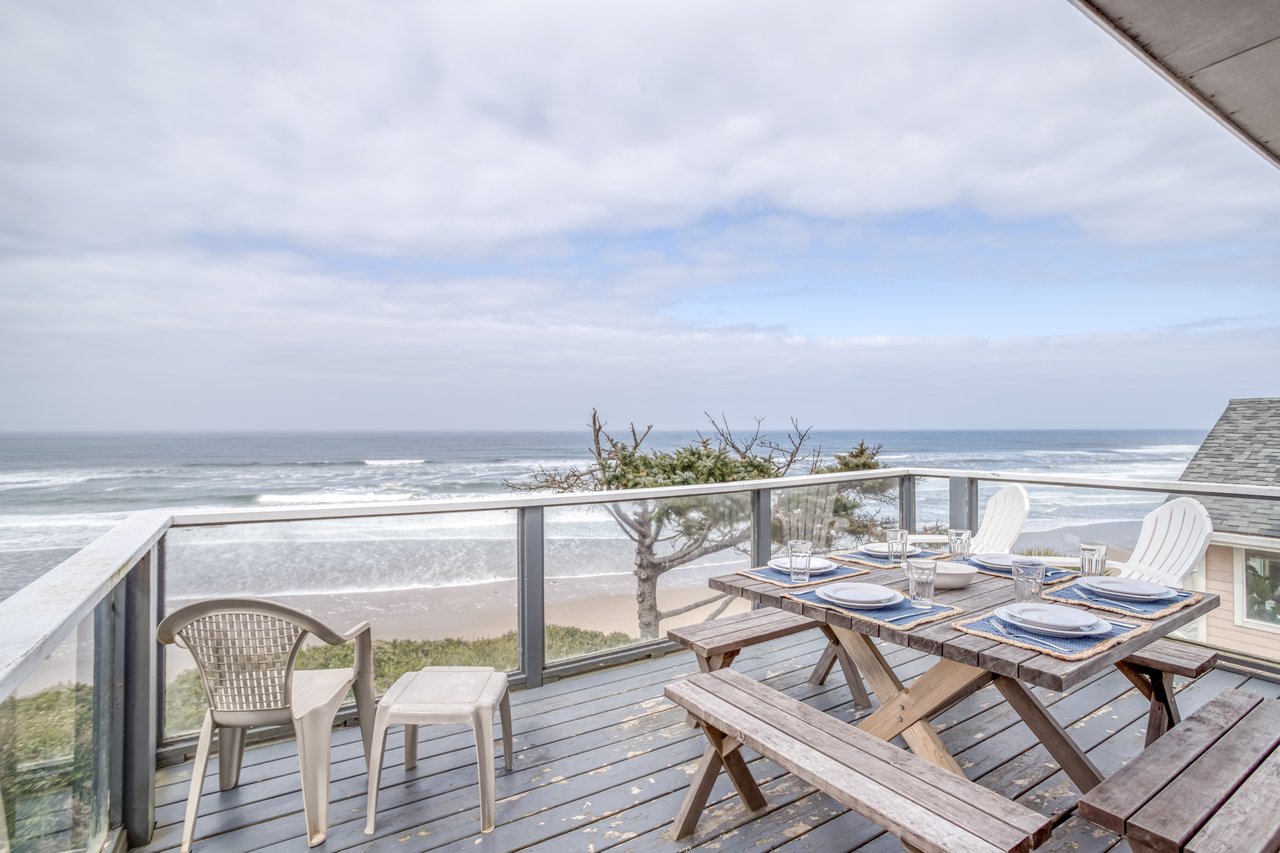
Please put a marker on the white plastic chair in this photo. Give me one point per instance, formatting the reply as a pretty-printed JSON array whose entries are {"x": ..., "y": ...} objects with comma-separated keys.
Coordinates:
[
  {"x": 1002, "y": 521},
  {"x": 245, "y": 649},
  {"x": 1173, "y": 539}
]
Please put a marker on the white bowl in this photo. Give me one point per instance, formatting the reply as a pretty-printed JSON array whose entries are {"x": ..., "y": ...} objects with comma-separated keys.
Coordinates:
[{"x": 954, "y": 575}]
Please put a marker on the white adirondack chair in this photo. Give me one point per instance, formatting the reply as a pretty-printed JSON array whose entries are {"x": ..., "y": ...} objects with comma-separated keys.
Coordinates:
[
  {"x": 808, "y": 513},
  {"x": 1171, "y": 542},
  {"x": 1002, "y": 521}
]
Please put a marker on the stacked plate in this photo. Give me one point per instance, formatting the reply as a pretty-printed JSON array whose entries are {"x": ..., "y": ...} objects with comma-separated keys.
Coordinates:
[
  {"x": 862, "y": 596},
  {"x": 1053, "y": 620},
  {"x": 1127, "y": 589},
  {"x": 881, "y": 549},
  {"x": 1004, "y": 562},
  {"x": 817, "y": 565}
]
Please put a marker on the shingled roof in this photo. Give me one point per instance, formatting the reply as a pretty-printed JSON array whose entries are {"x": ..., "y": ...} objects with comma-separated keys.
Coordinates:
[{"x": 1243, "y": 447}]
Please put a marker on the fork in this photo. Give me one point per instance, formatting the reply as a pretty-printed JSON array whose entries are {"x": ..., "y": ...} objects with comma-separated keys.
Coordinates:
[
  {"x": 1107, "y": 601},
  {"x": 1022, "y": 636}
]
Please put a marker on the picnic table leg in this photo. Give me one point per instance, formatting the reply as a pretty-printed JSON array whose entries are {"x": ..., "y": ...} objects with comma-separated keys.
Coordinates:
[
  {"x": 1158, "y": 687},
  {"x": 721, "y": 751},
  {"x": 832, "y": 654},
  {"x": 906, "y": 711},
  {"x": 1070, "y": 758},
  {"x": 711, "y": 663}
]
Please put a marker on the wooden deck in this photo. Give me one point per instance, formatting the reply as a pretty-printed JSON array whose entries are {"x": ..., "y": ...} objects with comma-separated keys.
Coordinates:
[{"x": 602, "y": 761}]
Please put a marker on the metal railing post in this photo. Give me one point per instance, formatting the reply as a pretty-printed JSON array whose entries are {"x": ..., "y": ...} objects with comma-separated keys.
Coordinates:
[
  {"x": 761, "y": 526},
  {"x": 964, "y": 503},
  {"x": 907, "y": 503},
  {"x": 141, "y": 698},
  {"x": 530, "y": 568}
]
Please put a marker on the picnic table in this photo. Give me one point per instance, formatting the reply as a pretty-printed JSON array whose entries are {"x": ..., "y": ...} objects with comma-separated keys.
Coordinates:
[{"x": 967, "y": 662}]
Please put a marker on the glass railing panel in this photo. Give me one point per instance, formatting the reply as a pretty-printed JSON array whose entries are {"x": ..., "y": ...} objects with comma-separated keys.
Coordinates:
[
  {"x": 836, "y": 515},
  {"x": 53, "y": 764},
  {"x": 618, "y": 574},
  {"x": 437, "y": 589}
]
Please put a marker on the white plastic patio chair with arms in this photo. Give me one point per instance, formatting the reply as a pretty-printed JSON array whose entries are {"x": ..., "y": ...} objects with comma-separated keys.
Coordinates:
[
  {"x": 1173, "y": 539},
  {"x": 245, "y": 650},
  {"x": 1002, "y": 521}
]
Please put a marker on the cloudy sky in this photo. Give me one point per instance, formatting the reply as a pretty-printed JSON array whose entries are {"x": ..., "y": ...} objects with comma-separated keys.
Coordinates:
[{"x": 499, "y": 215}]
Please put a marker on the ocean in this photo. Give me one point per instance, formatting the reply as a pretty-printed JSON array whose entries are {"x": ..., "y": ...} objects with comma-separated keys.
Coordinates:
[{"x": 60, "y": 491}]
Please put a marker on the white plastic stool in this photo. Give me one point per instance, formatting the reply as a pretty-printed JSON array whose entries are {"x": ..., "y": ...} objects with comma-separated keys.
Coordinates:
[{"x": 444, "y": 694}]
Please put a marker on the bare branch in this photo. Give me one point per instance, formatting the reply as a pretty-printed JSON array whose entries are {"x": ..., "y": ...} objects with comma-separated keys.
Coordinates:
[{"x": 680, "y": 611}]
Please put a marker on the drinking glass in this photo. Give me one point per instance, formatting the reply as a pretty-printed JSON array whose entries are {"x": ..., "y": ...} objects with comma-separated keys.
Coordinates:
[
  {"x": 799, "y": 553},
  {"x": 1093, "y": 560},
  {"x": 1028, "y": 579},
  {"x": 958, "y": 543},
  {"x": 896, "y": 542},
  {"x": 920, "y": 578}
]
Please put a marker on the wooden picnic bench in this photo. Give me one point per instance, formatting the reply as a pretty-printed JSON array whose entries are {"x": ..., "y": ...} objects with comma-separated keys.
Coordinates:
[
  {"x": 928, "y": 808},
  {"x": 1208, "y": 786},
  {"x": 717, "y": 643}
]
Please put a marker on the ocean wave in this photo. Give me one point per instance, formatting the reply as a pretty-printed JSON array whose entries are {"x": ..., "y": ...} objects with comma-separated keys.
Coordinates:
[
  {"x": 1161, "y": 449},
  {"x": 335, "y": 498},
  {"x": 391, "y": 462}
]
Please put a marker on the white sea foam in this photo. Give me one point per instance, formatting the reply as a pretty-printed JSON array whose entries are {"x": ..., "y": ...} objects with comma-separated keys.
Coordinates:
[
  {"x": 392, "y": 462},
  {"x": 334, "y": 498}
]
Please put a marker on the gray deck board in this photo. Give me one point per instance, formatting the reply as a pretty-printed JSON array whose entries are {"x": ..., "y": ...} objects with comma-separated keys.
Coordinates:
[{"x": 602, "y": 762}]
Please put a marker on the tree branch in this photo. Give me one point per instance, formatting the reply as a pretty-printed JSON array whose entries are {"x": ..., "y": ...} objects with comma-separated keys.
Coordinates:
[{"x": 680, "y": 611}]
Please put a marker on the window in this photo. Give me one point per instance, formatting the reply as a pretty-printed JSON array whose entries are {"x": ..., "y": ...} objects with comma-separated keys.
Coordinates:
[{"x": 1262, "y": 587}]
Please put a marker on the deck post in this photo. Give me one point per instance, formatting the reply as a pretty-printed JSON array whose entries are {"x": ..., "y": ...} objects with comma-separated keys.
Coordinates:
[
  {"x": 907, "y": 503},
  {"x": 530, "y": 567},
  {"x": 141, "y": 699},
  {"x": 964, "y": 503},
  {"x": 761, "y": 526}
]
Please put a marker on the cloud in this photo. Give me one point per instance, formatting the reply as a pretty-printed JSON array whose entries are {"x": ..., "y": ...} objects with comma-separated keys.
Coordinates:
[
  {"x": 461, "y": 127},
  {"x": 195, "y": 342},
  {"x": 333, "y": 215}
]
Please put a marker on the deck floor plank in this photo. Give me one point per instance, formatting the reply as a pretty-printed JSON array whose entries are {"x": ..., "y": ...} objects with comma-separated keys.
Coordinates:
[{"x": 602, "y": 762}]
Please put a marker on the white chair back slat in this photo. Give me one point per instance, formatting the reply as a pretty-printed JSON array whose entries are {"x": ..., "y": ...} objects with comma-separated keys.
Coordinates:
[
  {"x": 1173, "y": 539},
  {"x": 1002, "y": 521}
]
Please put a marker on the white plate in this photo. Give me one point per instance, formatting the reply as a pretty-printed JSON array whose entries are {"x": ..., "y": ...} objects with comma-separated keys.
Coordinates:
[
  {"x": 861, "y": 595},
  {"x": 1056, "y": 616},
  {"x": 817, "y": 565},
  {"x": 1127, "y": 589},
  {"x": 1097, "y": 628},
  {"x": 881, "y": 549},
  {"x": 954, "y": 575},
  {"x": 995, "y": 561}
]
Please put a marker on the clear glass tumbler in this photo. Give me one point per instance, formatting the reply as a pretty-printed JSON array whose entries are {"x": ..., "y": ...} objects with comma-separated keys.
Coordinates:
[
  {"x": 1028, "y": 579},
  {"x": 896, "y": 542},
  {"x": 920, "y": 577},
  {"x": 1093, "y": 560},
  {"x": 958, "y": 542},
  {"x": 799, "y": 556}
]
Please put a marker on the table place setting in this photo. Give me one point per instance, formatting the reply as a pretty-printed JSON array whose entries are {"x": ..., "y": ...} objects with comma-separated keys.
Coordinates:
[
  {"x": 1002, "y": 566},
  {"x": 1052, "y": 629},
  {"x": 1126, "y": 596},
  {"x": 798, "y": 567},
  {"x": 888, "y": 554},
  {"x": 821, "y": 571},
  {"x": 880, "y": 604}
]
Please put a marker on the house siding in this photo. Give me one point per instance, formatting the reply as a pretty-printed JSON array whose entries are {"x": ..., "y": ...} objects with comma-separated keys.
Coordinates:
[{"x": 1221, "y": 629}]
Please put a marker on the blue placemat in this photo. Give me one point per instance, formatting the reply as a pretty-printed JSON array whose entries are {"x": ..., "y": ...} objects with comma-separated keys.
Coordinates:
[
  {"x": 1072, "y": 593},
  {"x": 1065, "y": 648},
  {"x": 864, "y": 559},
  {"x": 901, "y": 615},
  {"x": 774, "y": 576},
  {"x": 1052, "y": 574}
]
